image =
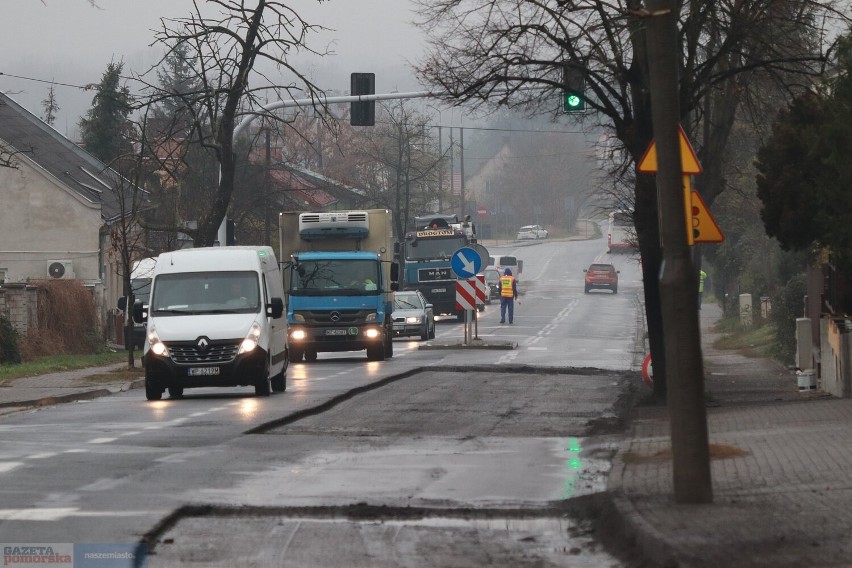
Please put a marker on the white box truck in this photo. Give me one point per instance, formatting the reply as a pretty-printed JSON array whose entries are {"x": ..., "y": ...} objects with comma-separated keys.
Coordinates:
[{"x": 215, "y": 318}]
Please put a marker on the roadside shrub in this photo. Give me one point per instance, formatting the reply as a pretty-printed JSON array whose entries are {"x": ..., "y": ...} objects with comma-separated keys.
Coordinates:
[
  {"x": 67, "y": 321},
  {"x": 9, "y": 350},
  {"x": 788, "y": 305}
]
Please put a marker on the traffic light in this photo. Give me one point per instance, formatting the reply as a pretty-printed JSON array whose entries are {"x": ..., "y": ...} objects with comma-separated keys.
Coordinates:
[
  {"x": 362, "y": 113},
  {"x": 573, "y": 88}
]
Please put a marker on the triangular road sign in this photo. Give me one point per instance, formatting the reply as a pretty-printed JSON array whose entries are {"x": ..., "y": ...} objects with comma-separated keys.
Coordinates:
[
  {"x": 704, "y": 227},
  {"x": 688, "y": 161}
]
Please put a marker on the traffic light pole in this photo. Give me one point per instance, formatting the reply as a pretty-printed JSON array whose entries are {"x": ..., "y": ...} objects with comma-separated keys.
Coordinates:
[{"x": 324, "y": 101}]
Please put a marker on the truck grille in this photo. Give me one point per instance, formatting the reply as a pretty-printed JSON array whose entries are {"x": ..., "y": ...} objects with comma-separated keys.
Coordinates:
[
  {"x": 335, "y": 317},
  {"x": 185, "y": 353},
  {"x": 434, "y": 274}
]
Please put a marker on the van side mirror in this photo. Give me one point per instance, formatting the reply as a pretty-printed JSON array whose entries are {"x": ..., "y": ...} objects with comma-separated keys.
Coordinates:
[
  {"x": 275, "y": 308},
  {"x": 140, "y": 315},
  {"x": 122, "y": 303}
]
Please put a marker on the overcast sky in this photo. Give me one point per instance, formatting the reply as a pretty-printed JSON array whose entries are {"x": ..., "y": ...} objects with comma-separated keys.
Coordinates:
[{"x": 69, "y": 42}]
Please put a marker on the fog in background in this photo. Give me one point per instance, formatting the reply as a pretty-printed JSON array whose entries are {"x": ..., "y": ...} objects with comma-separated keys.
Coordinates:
[{"x": 71, "y": 43}]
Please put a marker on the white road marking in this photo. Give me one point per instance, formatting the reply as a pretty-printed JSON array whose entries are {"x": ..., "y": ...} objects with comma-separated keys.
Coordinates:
[
  {"x": 101, "y": 440},
  {"x": 9, "y": 466},
  {"x": 59, "y": 513},
  {"x": 42, "y": 456}
]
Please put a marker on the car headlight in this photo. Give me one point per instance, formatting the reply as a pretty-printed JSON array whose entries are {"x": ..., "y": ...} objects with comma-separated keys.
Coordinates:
[
  {"x": 157, "y": 347},
  {"x": 412, "y": 319},
  {"x": 251, "y": 340},
  {"x": 371, "y": 317}
]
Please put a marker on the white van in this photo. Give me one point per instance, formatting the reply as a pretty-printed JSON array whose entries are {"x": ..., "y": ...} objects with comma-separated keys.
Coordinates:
[
  {"x": 504, "y": 261},
  {"x": 215, "y": 319}
]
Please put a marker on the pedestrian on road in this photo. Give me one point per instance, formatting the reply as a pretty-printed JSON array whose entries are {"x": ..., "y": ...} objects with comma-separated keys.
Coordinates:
[
  {"x": 702, "y": 276},
  {"x": 508, "y": 295}
]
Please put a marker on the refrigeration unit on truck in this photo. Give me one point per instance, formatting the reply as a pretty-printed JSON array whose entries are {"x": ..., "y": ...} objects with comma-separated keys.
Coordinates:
[
  {"x": 426, "y": 259},
  {"x": 339, "y": 280},
  {"x": 215, "y": 318}
]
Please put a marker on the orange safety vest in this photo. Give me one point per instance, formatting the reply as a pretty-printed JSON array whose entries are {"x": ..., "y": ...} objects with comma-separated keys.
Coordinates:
[{"x": 506, "y": 288}]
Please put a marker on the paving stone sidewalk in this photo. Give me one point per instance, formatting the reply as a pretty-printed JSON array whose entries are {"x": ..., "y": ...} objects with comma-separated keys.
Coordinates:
[
  {"x": 780, "y": 468},
  {"x": 63, "y": 386}
]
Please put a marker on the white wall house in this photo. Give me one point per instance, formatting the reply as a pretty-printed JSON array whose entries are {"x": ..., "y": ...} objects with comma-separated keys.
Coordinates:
[{"x": 58, "y": 203}]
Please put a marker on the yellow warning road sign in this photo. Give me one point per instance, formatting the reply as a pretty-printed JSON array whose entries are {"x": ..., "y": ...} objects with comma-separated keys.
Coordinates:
[
  {"x": 688, "y": 161},
  {"x": 704, "y": 227}
]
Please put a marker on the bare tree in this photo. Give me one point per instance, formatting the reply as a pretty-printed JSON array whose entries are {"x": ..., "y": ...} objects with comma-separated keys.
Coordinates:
[
  {"x": 488, "y": 52},
  {"x": 230, "y": 53}
]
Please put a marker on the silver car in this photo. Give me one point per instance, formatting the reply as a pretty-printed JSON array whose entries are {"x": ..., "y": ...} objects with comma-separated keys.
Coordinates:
[{"x": 413, "y": 315}]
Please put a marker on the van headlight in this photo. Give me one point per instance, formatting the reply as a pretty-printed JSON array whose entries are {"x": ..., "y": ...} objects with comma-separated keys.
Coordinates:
[
  {"x": 157, "y": 347},
  {"x": 251, "y": 340}
]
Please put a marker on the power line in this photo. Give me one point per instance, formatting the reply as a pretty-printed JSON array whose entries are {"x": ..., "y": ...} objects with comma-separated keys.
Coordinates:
[{"x": 87, "y": 87}]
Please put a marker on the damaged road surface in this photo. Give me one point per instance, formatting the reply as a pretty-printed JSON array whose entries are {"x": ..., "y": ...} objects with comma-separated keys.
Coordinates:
[{"x": 502, "y": 467}]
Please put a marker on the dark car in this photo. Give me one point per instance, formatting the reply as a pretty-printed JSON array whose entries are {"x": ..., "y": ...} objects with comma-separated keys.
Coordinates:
[
  {"x": 413, "y": 315},
  {"x": 601, "y": 276},
  {"x": 492, "y": 282}
]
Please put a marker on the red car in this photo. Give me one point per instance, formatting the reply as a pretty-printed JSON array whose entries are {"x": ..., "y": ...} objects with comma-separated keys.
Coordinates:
[{"x": 601, "y": 276}]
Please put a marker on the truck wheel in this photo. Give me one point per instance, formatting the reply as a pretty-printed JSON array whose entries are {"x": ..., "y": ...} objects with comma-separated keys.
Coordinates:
[
  {"x": 460, "y": 316},
  {"x": 376, "y": 353},
  {"x": 176, "y": 392},
  {"x": 262, "y": 388},
  {"x": 152, "y": 390},
  {"x": 389, "y": 345},
  {"x": 279, "y": 381},
  {"x": 310, "y": 356},
  {"x": 295, "y": 355}
]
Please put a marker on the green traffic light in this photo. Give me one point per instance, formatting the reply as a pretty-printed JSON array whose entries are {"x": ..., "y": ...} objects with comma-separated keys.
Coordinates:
[{"x": 573, "y": 101}]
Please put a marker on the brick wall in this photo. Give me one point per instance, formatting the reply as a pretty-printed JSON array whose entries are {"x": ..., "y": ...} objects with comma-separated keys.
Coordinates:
[{"x": 19, "y": 303}]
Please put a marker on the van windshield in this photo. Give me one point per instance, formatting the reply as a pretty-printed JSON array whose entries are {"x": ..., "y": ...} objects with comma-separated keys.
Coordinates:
[{"x": 206, "y": 293}]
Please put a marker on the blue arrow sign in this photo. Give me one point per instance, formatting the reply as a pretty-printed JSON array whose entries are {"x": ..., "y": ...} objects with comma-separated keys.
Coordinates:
[{"x": 466, "y": 262}]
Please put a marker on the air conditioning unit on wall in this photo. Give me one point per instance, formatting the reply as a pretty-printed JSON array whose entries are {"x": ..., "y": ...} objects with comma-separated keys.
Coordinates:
[{"x": 60, "y": 269}]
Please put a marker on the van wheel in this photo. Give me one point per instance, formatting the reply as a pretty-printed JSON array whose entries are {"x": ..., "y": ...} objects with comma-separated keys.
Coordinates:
[
  {"x": 152, "y": 390},
  {"x": 279, "y": 382},
  {"x": 295, "y": 355},
  {"x": 176, "y": 392},
  {"x": 310, "y": 356},
  {"x": 262, "y": 388}
]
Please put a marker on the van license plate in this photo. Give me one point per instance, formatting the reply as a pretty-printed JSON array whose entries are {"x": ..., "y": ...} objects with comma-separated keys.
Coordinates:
[
  {"x": 335, "y": 332},
  {"x": 203, "y": 371}
]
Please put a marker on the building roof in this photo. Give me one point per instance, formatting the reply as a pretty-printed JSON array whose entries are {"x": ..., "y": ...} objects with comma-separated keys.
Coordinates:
[{"x": 78, "y": 170}]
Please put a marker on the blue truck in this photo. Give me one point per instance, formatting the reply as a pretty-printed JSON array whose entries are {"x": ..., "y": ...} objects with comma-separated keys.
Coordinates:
[
  {"x": 339, "y": 280},
  {"x": 426, "y": 255}
]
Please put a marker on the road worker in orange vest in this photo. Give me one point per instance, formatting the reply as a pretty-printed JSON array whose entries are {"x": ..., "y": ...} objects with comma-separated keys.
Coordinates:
[{"x": 508, "y": 295}]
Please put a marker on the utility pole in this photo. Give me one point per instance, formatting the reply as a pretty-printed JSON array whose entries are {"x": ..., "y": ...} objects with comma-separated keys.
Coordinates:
[{"x": 678, "y": 285}]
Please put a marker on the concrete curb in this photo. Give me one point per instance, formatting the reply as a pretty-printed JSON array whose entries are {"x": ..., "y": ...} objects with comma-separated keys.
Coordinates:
[
  {"x": 71, "y": 397},
  {"x": 474, "y": 344}
]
